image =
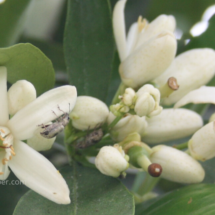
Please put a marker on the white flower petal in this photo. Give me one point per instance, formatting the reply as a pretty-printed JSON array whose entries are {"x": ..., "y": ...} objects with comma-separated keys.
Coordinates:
[
  {"x": 40, "y": 111},
  {"x": 202, "y": 95},
  {"x": 3, "y": 168},
  {"x": 20, "y": 94},
  {"x": 202, "y": 143},
  {"x": 126, "y": 126},
  {"x": 119, "y": 28},
  {"x": 171, "y": 124},
  {"x": 149, "y": 61},
  {"x": 132, "y": 37},
  {"x": 38, "y": 142},
  {"x": 192, "y": 69},
  {"x": 36, "y": 172},
  {"x": 161, "y": 23},
  {"x": 177, "y": 165},
  {"x": 4, "y": 115}
]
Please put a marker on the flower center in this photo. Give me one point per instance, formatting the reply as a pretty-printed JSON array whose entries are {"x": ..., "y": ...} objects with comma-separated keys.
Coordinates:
[{"x": 6, "y": 145}]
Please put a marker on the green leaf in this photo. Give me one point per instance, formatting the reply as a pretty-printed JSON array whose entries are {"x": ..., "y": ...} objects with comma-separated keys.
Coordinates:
[
  {"x": 90, "y": 192},
  {"x": 115, "y": 79},
  {"x": 54, "y": 51},
  {"x": 89, "y": 46},
  {"x": 191, "y": 200},
  {"x": 25, "y": 61},
  {"x": 11, "y": 187},
  {"x": 12, "y": 15}
]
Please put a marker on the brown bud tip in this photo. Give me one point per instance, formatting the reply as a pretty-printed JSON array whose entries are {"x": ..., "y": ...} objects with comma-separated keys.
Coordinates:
[
  {"x": 155, "y": 170},
  {"x": 172, "y": 82}
]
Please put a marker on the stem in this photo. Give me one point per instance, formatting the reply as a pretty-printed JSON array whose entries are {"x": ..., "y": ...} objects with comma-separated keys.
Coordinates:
[
  {"x": 144, "y": 162},
  {"x": 147, "y": 185},
  {"x": 116, "y": 120},
  {"x": 120, "y": 91},
  {"x": 182, "y": 146}
]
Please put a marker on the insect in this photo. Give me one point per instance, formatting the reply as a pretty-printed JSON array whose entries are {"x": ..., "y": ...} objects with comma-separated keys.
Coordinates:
[
  {"x": 91, "y": 139},
  {"x": 53, "y": 129}
]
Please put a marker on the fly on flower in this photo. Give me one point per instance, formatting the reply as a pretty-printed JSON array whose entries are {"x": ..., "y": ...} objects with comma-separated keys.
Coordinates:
[{"x": 55, "y": 128}]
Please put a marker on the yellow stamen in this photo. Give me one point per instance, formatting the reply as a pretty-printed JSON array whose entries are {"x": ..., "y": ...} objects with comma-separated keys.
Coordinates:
[
  {"x": 5, "y": 144},
  {"x": 10, "y": 157},
  {"x": 12, "y": 148},
  {"x": 142, "y": 23},
  {"x": 2, "y": 130},
  {"x": 13, "y": 153},
  {"x": 1, "y": 173},
  {"x": 1, "y": 138},
  {"x": 4, "y": 161}
]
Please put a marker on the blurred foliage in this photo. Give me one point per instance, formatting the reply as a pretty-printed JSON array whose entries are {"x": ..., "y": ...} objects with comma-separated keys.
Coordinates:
[
  {"x": 11, "y": 191},
  {"x": 12, "y": 20}
]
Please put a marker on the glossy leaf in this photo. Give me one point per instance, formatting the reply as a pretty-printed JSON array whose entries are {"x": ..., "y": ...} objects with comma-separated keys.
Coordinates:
[
  {"x": 25, "y": 61},
  {"x": 90, "y": 192},
  {"x": 12, "y": 20},
  {"x": 89, "y": 46},
  {"x": 194, "y": 199}
]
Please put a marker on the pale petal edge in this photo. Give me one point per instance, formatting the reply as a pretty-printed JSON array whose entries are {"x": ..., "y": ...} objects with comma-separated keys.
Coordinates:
[{"x": 202, "y": 95}]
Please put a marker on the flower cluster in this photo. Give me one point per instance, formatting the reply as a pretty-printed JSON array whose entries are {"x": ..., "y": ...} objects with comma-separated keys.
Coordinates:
[{"x": 152, "y": 77}]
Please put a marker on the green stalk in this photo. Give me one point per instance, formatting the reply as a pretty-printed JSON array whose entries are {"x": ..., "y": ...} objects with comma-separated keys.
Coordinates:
[
  {"x": 116, "y": 120},
  {"x": 147, "y": 185},
  {"x": 120, "y": 91},
  {"x": 182, "y": 146}
]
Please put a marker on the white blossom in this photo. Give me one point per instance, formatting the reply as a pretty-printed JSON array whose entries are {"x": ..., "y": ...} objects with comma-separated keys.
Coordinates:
[
  {"x": 28, "y": 165},
  {"x": 148, "y": 49}
]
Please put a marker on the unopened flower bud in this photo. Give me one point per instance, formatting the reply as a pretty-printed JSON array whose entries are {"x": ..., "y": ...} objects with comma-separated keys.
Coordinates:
[
  {"x": 88, "y": 113},
  {"x": 111, "y": 161},
  {"x": 202, "y": 143},
  {"x": 127, "y": 125},
  {"x": 147, "y": 103},
  {"x": 129, "y": 97},
  {"x": 20, "y": 94},
  {"x": 176, "y": 165},
  {"x": 171, "y": 124}
]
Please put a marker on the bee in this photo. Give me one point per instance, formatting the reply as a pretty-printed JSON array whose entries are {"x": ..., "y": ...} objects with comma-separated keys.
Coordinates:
[
  {"x": 91, "y": 139},
  {"x": 53, "y": 129}
]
